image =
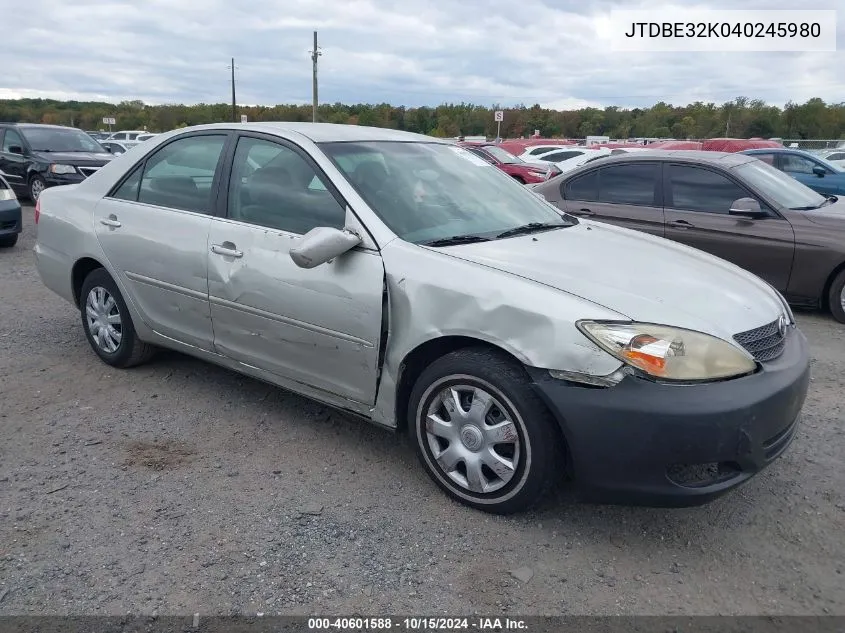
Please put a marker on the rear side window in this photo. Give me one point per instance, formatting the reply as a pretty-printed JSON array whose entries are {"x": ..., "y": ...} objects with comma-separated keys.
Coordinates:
[
  {"x": 629, "y": 184},
  {"x": 178, "y": 176},
  {"x": 697, "y": 189},
  {"x": 129, "y": 189},
  {"x": 584, "y": 187}
]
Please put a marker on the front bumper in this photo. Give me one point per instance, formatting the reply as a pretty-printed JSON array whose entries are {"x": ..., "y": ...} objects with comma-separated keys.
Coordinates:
[
  {"x": 648, "y": 443},
  {"x": 55, "y": 180},
  {"x": 10, "y": 217}
]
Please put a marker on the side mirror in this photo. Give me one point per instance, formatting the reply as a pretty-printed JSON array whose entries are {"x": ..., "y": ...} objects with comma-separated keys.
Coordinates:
[
  {"x": 748, "y": 208},
  {"x": 108, "y": 149},
  {"x": 819, "y": 171},
  {"x": 15, "y": 149},
  {"x": 322, "y": 244}
]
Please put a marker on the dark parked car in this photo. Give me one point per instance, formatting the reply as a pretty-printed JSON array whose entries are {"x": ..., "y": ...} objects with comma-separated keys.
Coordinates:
[
  {"x": 10, "y": 215},
  {"x": 814, "y": 171},
  {"x": 526, "y": 173},
  {"x": 731, "y": 205},
  {"x": 34, "y": 157}
]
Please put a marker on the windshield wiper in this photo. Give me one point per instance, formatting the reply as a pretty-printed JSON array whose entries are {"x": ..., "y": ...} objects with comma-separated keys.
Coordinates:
[
  {"x": 807, "y": 208},
  {"x": 456, "y": 239},
  {"x": 531, "y": 227}
]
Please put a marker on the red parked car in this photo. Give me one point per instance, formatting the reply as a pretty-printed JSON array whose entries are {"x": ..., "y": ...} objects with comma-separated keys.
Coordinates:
[{"x": 526, "y": 173}]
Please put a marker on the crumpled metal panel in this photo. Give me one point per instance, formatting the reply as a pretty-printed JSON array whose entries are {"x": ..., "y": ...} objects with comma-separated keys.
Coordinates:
[{"x": 431, "y": 295}]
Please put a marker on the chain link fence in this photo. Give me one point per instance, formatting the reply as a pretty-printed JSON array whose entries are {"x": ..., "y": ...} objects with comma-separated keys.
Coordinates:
[{"x": 814, "y": 145}]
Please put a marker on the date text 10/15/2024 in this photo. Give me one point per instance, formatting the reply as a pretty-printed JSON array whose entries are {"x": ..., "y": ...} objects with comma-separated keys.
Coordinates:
[{"x": 420, "y": 624}]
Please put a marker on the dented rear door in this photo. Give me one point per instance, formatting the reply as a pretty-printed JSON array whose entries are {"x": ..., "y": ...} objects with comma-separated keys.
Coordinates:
[{"x": 320, "y": 327}]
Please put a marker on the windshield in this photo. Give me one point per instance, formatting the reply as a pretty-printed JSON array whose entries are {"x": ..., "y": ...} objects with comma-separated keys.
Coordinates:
[
  {"x": 501, "y": 155},
  {"x": 778, "y": 186},
  {"x": 431, "y": 191},
  {"x": 52, "y": 139}
]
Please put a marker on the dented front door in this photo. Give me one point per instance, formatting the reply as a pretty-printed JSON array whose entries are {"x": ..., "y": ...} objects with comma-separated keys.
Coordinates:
[{"x": 320, "y": 326}]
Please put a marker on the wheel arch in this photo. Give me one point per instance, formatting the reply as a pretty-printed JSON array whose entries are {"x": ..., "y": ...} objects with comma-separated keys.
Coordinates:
[
  {"x": 825, "y": 298},
  {"x": 81, "y": 269}
]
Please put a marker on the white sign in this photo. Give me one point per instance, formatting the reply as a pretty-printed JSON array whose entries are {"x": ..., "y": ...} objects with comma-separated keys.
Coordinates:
[
  {"x": 499, "y": 116},
  {"x": 109, "y": 120},
  {"x": 243, "y": 118}
]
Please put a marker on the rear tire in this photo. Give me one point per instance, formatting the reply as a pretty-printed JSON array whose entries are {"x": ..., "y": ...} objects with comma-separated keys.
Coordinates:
[
  {"x": 482, "y": 433},
  {"x": 8, "y": 241},
  {"x": 836, "y": 297},
  {"x": 107, "y": 323}
]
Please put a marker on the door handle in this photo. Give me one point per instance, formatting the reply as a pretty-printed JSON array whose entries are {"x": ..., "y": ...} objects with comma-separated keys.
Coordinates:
[
  {"x": 110, "y": 221},
  {"x": 681, "y": 224},
  {"x": 584, "y": 213},
  {"x": 226, "y": 249}
]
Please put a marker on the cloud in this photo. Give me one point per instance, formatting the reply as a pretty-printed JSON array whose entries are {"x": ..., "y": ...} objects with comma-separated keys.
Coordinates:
[{"x": 409, "y": 52}]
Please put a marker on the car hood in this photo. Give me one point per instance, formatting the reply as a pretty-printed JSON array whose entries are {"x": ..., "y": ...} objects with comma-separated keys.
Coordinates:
[
  {"x": 75, "y": 158},
  {"x": 830, "y": 215},
  {"x": 639, "y": 276}
]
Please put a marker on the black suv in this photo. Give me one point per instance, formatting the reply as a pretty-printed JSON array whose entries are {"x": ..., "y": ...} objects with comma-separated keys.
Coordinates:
[{"x": 34, "y": 157}]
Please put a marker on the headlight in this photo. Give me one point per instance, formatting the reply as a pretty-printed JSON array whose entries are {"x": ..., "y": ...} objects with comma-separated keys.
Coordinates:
[
  {"x": 62, "y": 169},
  {"x": 7, "y": 194},
  {"x": 667, "y": 352}
]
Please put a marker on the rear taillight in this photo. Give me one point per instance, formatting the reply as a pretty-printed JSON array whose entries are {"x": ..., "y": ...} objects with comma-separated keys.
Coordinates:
[{"x": 37, "y": 209}]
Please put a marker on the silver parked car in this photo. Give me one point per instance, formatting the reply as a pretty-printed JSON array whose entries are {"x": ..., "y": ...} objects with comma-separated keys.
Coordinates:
[{"x": 405, "y": 280}]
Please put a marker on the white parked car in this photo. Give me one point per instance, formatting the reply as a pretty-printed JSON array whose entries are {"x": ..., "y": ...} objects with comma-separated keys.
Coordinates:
[
  {"x": 570, "y": 158},
  {"x": 535, "y": 150},
  {"x": 835, "y": 156}
]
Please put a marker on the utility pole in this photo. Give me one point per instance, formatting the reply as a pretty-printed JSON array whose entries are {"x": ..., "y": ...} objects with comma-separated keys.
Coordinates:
[
  {"x": 315, "y": 54},
  {"x": 234, "y": 103}
]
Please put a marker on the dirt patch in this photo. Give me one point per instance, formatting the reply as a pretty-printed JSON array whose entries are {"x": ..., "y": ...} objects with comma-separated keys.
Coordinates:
[{"x": 157, "y": 456}]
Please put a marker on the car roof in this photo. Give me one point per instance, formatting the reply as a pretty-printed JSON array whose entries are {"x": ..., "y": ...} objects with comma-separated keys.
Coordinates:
[
  {"x": 58, "y": 127},
  {"x": 726, "y": 160},
  {"x": 777, "y": 150},
  {"x": 326, "y": 132}
]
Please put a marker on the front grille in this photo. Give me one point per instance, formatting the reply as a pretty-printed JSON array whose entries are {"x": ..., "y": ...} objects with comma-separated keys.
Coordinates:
[
  {"x": 87, "y": 171},
  {"x": 763, "y": 343}
]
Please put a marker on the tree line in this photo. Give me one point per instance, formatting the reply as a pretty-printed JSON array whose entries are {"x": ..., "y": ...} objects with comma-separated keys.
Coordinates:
[{"x": 740, "y": 118}]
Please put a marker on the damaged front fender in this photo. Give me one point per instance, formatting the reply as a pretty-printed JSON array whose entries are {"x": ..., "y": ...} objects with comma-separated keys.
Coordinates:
[{"x": 432, "y": 295}]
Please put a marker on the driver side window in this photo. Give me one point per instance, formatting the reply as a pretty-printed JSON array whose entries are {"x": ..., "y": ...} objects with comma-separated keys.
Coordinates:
[
  {"x": 11, "y": 139},
  {"x": 273, "y": 186},
  {"x": 797, "y": 164}
]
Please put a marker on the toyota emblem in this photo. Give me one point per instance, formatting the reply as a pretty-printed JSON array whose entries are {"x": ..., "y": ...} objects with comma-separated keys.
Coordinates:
[{"x": 782, "y": 325}]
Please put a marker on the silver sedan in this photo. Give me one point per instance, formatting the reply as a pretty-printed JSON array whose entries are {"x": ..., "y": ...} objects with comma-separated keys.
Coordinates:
[{"x": 405, "y": 280}]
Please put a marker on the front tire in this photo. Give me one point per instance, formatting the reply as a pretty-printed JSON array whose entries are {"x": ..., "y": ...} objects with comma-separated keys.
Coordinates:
[
  {"x": 107, "y": 323},
  {"x": 836, "y": 297},
  {"x": 36, "y": 187},
  {"x": 481, "y": 432}
]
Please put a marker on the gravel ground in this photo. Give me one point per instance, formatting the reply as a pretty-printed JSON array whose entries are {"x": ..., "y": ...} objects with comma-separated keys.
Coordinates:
[{"x": 179, "y": 487}]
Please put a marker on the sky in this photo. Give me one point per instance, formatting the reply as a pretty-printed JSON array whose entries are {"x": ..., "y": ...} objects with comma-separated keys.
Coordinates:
[{"x": 402, "y": 52}]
